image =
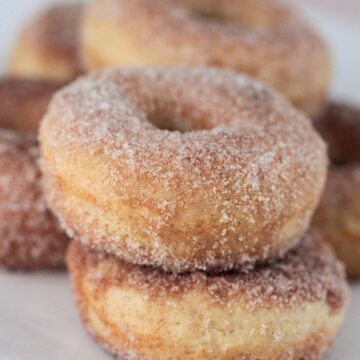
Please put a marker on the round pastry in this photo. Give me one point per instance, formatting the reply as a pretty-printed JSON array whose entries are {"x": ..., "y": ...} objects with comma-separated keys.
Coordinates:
[
  {"x": 23, "y": 102},
  {"x": 259, "y": 37},
  {"x": 338, "y": 216},
  {"x": 289, "y": 310},
  {"x": 30, "y": 237},
  {"x": 48, "y": 47},
  {"x": 339, "y": 125},
  {"x": 181, "y": 168}
]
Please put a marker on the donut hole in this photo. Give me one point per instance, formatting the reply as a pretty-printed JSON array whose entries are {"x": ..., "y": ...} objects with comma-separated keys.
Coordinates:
[
  {"x": 181, "y": 117},
  {"x": 213, "y": 17},
  {"x": 163, "y": 121}
]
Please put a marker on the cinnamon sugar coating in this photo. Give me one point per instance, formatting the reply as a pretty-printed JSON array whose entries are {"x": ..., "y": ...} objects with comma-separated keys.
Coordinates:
[
  {"x": 261, "y": 38},
  {"x": 30, "y": 236},
  {"x": 23, "y": 102},
  {"x": 233, "y": 181},
  {"x": 48, "y": 46},
  {"x": 290, "y": 309}
]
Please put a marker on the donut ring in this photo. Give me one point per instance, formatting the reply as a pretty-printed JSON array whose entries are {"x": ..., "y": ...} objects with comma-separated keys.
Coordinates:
[
  {"x": 23, "y": 102},
  {"x": 31, "y": 237},
  {"x": 48, "y": 47},
  {"x": 290, "y": 310},
  {"x": 234, "y": 34},
  {"x": 338, "y": 215},
  {"x": 233, "y": 181}
]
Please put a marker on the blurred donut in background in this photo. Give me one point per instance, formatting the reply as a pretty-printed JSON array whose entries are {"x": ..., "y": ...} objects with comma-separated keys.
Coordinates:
[
  {"x": 48, "y": 46},
  {"x": 291, "y": 309},
  {"x": 258, "y": 37},
  {"x": 30, "y": 236},
  {"x": 181, "y": 168},
  {"x": 23, "y": 102},
  {"x": 338, "y": 215}
]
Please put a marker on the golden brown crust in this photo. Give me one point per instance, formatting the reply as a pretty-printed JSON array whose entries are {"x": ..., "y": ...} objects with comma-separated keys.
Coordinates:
[
  {"x": 245, "y": 36},
  {"x": 338, "y": 216},
  {"x": 339, "y": 125},
  {"x": 307, "y": 288},
  {"x": 237, "y": 184},
  {"x": 30, "y": 236},
  {"x": 23, "y": 102},
  {"x": 48, "y": 47}
]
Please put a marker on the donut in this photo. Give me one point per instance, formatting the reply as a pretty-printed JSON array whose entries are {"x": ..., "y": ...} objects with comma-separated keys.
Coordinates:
[
  {"x": 338, "y": 215},
  {"x": 23, "y": 102},
  {"x": 291, "y": 309},
  {"x": 48, "y": 46},
  {"x": 181, "y": 168},
  {"x": 339, "y": 125},
  {"x": 30, "y": 237},
  {"x": 258, "y": 37}
]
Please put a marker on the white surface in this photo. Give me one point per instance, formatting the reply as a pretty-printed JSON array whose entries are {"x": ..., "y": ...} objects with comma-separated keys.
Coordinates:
[{"x": 38, "y": 320}]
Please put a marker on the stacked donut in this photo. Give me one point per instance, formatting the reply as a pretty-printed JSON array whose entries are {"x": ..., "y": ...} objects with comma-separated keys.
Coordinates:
[
  {"x": 45, "y": 57},
  {"x": 31, "y": 237},
  {"x": 187, "y": 193},
  {"x": 338, "y": 216}
]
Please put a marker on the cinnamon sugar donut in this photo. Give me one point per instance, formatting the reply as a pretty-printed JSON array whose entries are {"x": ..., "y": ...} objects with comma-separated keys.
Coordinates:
[
  {"x": 338, "y": 216},
  {"x": 259, "y": 37},
  {"x": 23, "y": 102},
  {"x": 289, "y": 310},
  {"x": 181, "y": 168},
  {"x": 30, "y": 237},
  {"x": 48, "y": 47}
]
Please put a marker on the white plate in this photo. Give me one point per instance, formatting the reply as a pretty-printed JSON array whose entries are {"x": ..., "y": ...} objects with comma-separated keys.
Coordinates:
[{"x": 38, "y": 320}]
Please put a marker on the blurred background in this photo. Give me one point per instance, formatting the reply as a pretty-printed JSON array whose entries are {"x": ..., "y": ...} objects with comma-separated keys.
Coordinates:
[{"x": 335, "y": 19}]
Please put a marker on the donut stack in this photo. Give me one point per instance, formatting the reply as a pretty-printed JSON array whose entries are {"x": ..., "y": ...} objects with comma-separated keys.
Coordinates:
[
  {"x": 188, "y": 191},
  {"x": 338, "y": 215},
  {"x": 30, "y": 236},
  {"x": 67, "y": 40},
  {"x": 193, "y": 191}
]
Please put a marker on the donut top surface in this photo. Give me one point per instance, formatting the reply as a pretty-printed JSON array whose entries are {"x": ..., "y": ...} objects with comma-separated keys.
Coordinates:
[
  {"x": 308, "y": 273},
  {"x": 181, "y": 109},
  {"x": 207, "y": 120}
]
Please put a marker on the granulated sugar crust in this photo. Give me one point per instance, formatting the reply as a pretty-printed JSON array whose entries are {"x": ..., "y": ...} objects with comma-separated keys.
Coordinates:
[
  {"x": 237, "y": 183},
  {"x": 308, "y": 273}
]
